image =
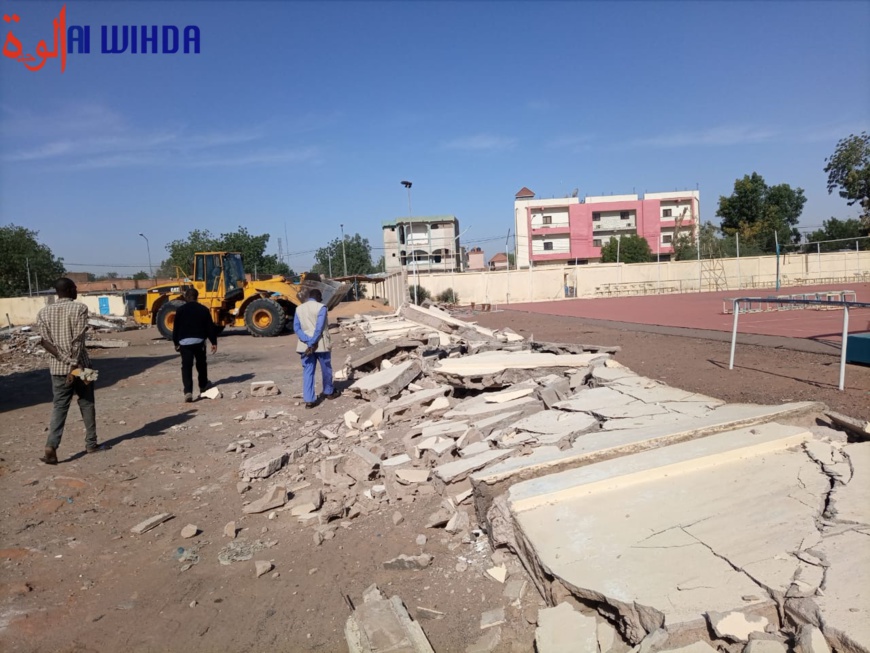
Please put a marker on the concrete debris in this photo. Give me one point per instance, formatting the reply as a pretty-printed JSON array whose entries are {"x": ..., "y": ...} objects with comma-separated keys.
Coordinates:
[
  {"x": 736, "y": 626},
  {"x": 696, "y": 647},
  {"x": 106, "y": 344},
  {"x": 189, "y": 531},
  {"x": 428, "y": 613},
  {"x": 764, "y": 646},
  {"x": 151, "y": 522},
  {"x": 397, "y": 518},
  {"x": 361, "y": 464},
  {"x": 439, "y": 403},
  {"x": 459, "y": 522},
  {"x": 264, "y": 389},
  {"x": 486, "y": 643},
  {"x": 811, "y": 640},
  {"x": 858, "y": 428},
  {"x": 262, "y": 567},
  {"x": 564, "y": 630},
  {"x": 492, "y": 618},
  {"x": 380, "y": 625},
  {"x": 405, "y": 562},
  {"x": 274, "y": 498},
  {"x": 270, "y": 461},
  {"x": 386, "y": 383},
  {"x": 413, "y": 475},
  {"x": 211, "y": 393},
  {"x": 498, "y": 573},
  {"x": 395, "y": 461},
  {"x": 254, "y": 415},
  {"x": 230, "y": 530}
]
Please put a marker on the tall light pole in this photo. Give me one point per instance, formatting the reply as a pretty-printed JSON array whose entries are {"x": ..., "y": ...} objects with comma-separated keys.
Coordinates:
[
  {"x": 148, "y": 246},
  {"x": 343, "y": 254},
  {"x": 408, "y": 184}
]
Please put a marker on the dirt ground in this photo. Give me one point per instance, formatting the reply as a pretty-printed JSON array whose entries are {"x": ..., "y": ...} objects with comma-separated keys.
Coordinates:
[{"x": 73, "y": 578}]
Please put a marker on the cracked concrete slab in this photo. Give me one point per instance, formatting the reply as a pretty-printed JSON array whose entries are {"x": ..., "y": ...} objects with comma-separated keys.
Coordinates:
[{"x": 664, "y": 536}]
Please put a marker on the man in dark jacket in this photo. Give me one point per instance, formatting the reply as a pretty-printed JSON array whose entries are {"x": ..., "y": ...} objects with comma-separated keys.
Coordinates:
[{"x": 193, "y": 326}]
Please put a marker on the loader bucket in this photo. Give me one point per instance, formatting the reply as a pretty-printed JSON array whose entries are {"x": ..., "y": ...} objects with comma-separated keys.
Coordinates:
[{"x": 333, "y": 292}]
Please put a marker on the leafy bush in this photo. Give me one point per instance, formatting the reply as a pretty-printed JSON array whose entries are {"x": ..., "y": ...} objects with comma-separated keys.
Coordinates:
[
  {"x": 420, "y": 296},
  {"x": 449, "y": 296}
]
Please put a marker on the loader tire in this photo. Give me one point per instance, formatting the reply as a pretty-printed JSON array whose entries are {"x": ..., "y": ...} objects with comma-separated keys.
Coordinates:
[
  {"x": 166, "y": 318},
  {"x": 265, "y": 318}
]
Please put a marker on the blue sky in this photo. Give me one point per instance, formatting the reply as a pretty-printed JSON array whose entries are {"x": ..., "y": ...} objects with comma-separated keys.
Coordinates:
[{"x": 309, "y": 114}]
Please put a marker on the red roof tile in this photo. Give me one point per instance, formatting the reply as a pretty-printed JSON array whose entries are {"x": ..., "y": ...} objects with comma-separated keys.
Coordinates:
[{"x": 525, "y": 192}]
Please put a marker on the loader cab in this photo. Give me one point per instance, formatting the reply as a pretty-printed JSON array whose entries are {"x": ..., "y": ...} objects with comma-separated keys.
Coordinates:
[{"x": 219, "y": 275}]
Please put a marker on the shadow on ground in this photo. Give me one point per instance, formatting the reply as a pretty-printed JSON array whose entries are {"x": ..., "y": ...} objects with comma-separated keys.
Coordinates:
[{"x": 23, "y": 389}]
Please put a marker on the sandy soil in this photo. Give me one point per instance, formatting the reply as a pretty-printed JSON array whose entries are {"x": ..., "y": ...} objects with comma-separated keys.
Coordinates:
[{"x": 73, "y": 578}]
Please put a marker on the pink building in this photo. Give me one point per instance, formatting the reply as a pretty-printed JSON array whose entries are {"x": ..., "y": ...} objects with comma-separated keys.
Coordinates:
[
  {"x": 571, "y": 230},
  {"x": 476, "y": 260}
]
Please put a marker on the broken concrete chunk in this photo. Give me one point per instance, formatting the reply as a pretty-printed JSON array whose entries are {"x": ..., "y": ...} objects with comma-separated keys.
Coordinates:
[
  {"x": 189, "y": 531},
  {"x": 270, "y": 461},
  {"x": 735, "y": 626},
  {"x": 439, "y": 518},
  {"x": 230, "y": 530},
  {"x": 254, "y": 415},
  {"x": 361, "y": 464},
  {"x": 151, "y": 522},
  {"x": 811, "y": 640},
  {"x": 379, "y": 625},
  {"x": 351, "y": 418},
  {"x": 395, "y": 461},
  {"x": 498, "y": 573},
  {"x": 440, "y": 403},
  {"x": 211, "y": 393},
  {"x": 428, "y": 613},
  {"x": 696, "y": 647},
  {"x": 458, "y": 523},
  {"x": 274, "y": 498},
  {"x": 492, "y": 618},
  {"x": 405, "y": 562},
  {"x": 386, "y": 383},
  {"x": 765, "y": 646},
  {"x": 262, "y": 567},
  {"x": 264, "y": 389},
  {"x": 564, "y": 630},
  {"x": 486, "y": 643},
  {"x": 460, "y": 469},
  {"x": 397, "y": 518},
  {"x": 413, "y": 475}
]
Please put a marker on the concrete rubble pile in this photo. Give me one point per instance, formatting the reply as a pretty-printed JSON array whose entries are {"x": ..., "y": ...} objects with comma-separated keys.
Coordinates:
[{"x": 664, "y": 517}]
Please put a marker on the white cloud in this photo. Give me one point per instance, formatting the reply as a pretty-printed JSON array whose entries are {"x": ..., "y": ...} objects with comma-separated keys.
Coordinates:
[
  {"x": 481, "y": 143},
  {"x": 714, "y": 136},
  {"x": 90, "y": 136}
]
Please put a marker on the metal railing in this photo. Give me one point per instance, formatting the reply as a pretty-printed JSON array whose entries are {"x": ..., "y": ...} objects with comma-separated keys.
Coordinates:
[{"x": 813, "y": 302}]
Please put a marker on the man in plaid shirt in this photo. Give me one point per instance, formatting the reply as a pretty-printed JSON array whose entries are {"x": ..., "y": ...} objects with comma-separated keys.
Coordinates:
[{"x": 63, "y": 326}]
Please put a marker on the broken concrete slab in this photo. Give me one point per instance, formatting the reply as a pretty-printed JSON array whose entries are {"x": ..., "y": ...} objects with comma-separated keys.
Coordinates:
[
  {"x": 419, "y": 398},
  {"x": 379, "y": 625},
  {"x": 488, "y": 369},
  {"x": 439, "y": 403},
  {"x": 697, "y": 537},
  {"x": 413, "y": 475},
  {"x": 474, "y": 448},
  {"x": 460, "y": 469},
  {"x": 264, "y": 389},
  {"x": 151, "y": 522},
  {"x": 507, "y": 395},
  {"x": 556, "y": 422},
  {"x": 386, "y": 383},
  {"x": 857, "y": 427},
  {"x": 371, "y": 354},
  {"x": 361, "y": 464},
  {"x": 395, "y": 461},
  {"x": 275, "y": 497},
  {"x": 406, "y": 562},
  {"x": 592, "y": 399},
  {"x": 764, "y": 646},
  {"x": 263, "y": 465},
  {"x": 564, "y": 630},
  {"x": 811, "y": 640},
  {"x": 596, "y": 447},
  {"x": 478, "y": 407}
]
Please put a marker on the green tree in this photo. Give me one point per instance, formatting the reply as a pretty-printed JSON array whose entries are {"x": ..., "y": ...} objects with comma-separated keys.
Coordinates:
[
  {"x": 20, "y": 249},
  {"x": 418, "y": 294},
  {"x": 757, "y": 211},
  {"x": 356, "y": 249},
  {"x": 631, "y": 249},
  {"x": 835, "y": 229},
  {"x": 849, "y": 171},
  {"x": 381, "y": 265},
  {"x": 252, "y": 248},
  {"x": 141, "y": 275}
]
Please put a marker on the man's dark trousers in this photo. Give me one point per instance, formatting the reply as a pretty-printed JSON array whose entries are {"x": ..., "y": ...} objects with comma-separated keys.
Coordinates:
[
  {"x": 63, "y": 394},
  {"x": 189, "y": 354}
]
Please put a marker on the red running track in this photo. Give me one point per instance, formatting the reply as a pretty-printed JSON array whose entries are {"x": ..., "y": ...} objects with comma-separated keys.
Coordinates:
[{"x": 704, "y": 311}]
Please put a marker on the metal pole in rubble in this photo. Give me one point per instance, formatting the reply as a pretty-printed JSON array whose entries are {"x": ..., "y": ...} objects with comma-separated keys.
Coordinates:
[
  {"x": 408, "y": 184},
  {"x": 148, "y": 247}
]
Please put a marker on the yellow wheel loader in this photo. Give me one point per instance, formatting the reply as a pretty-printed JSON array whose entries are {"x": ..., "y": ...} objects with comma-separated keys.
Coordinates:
[{"x": 264, "y": 307}]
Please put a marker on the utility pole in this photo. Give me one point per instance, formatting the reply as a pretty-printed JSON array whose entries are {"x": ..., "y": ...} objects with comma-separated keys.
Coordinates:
[
  {"x": 343, "y": 253},
  {"x": 148, "y": 247},
  {"x": 29, "y": 288}
]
